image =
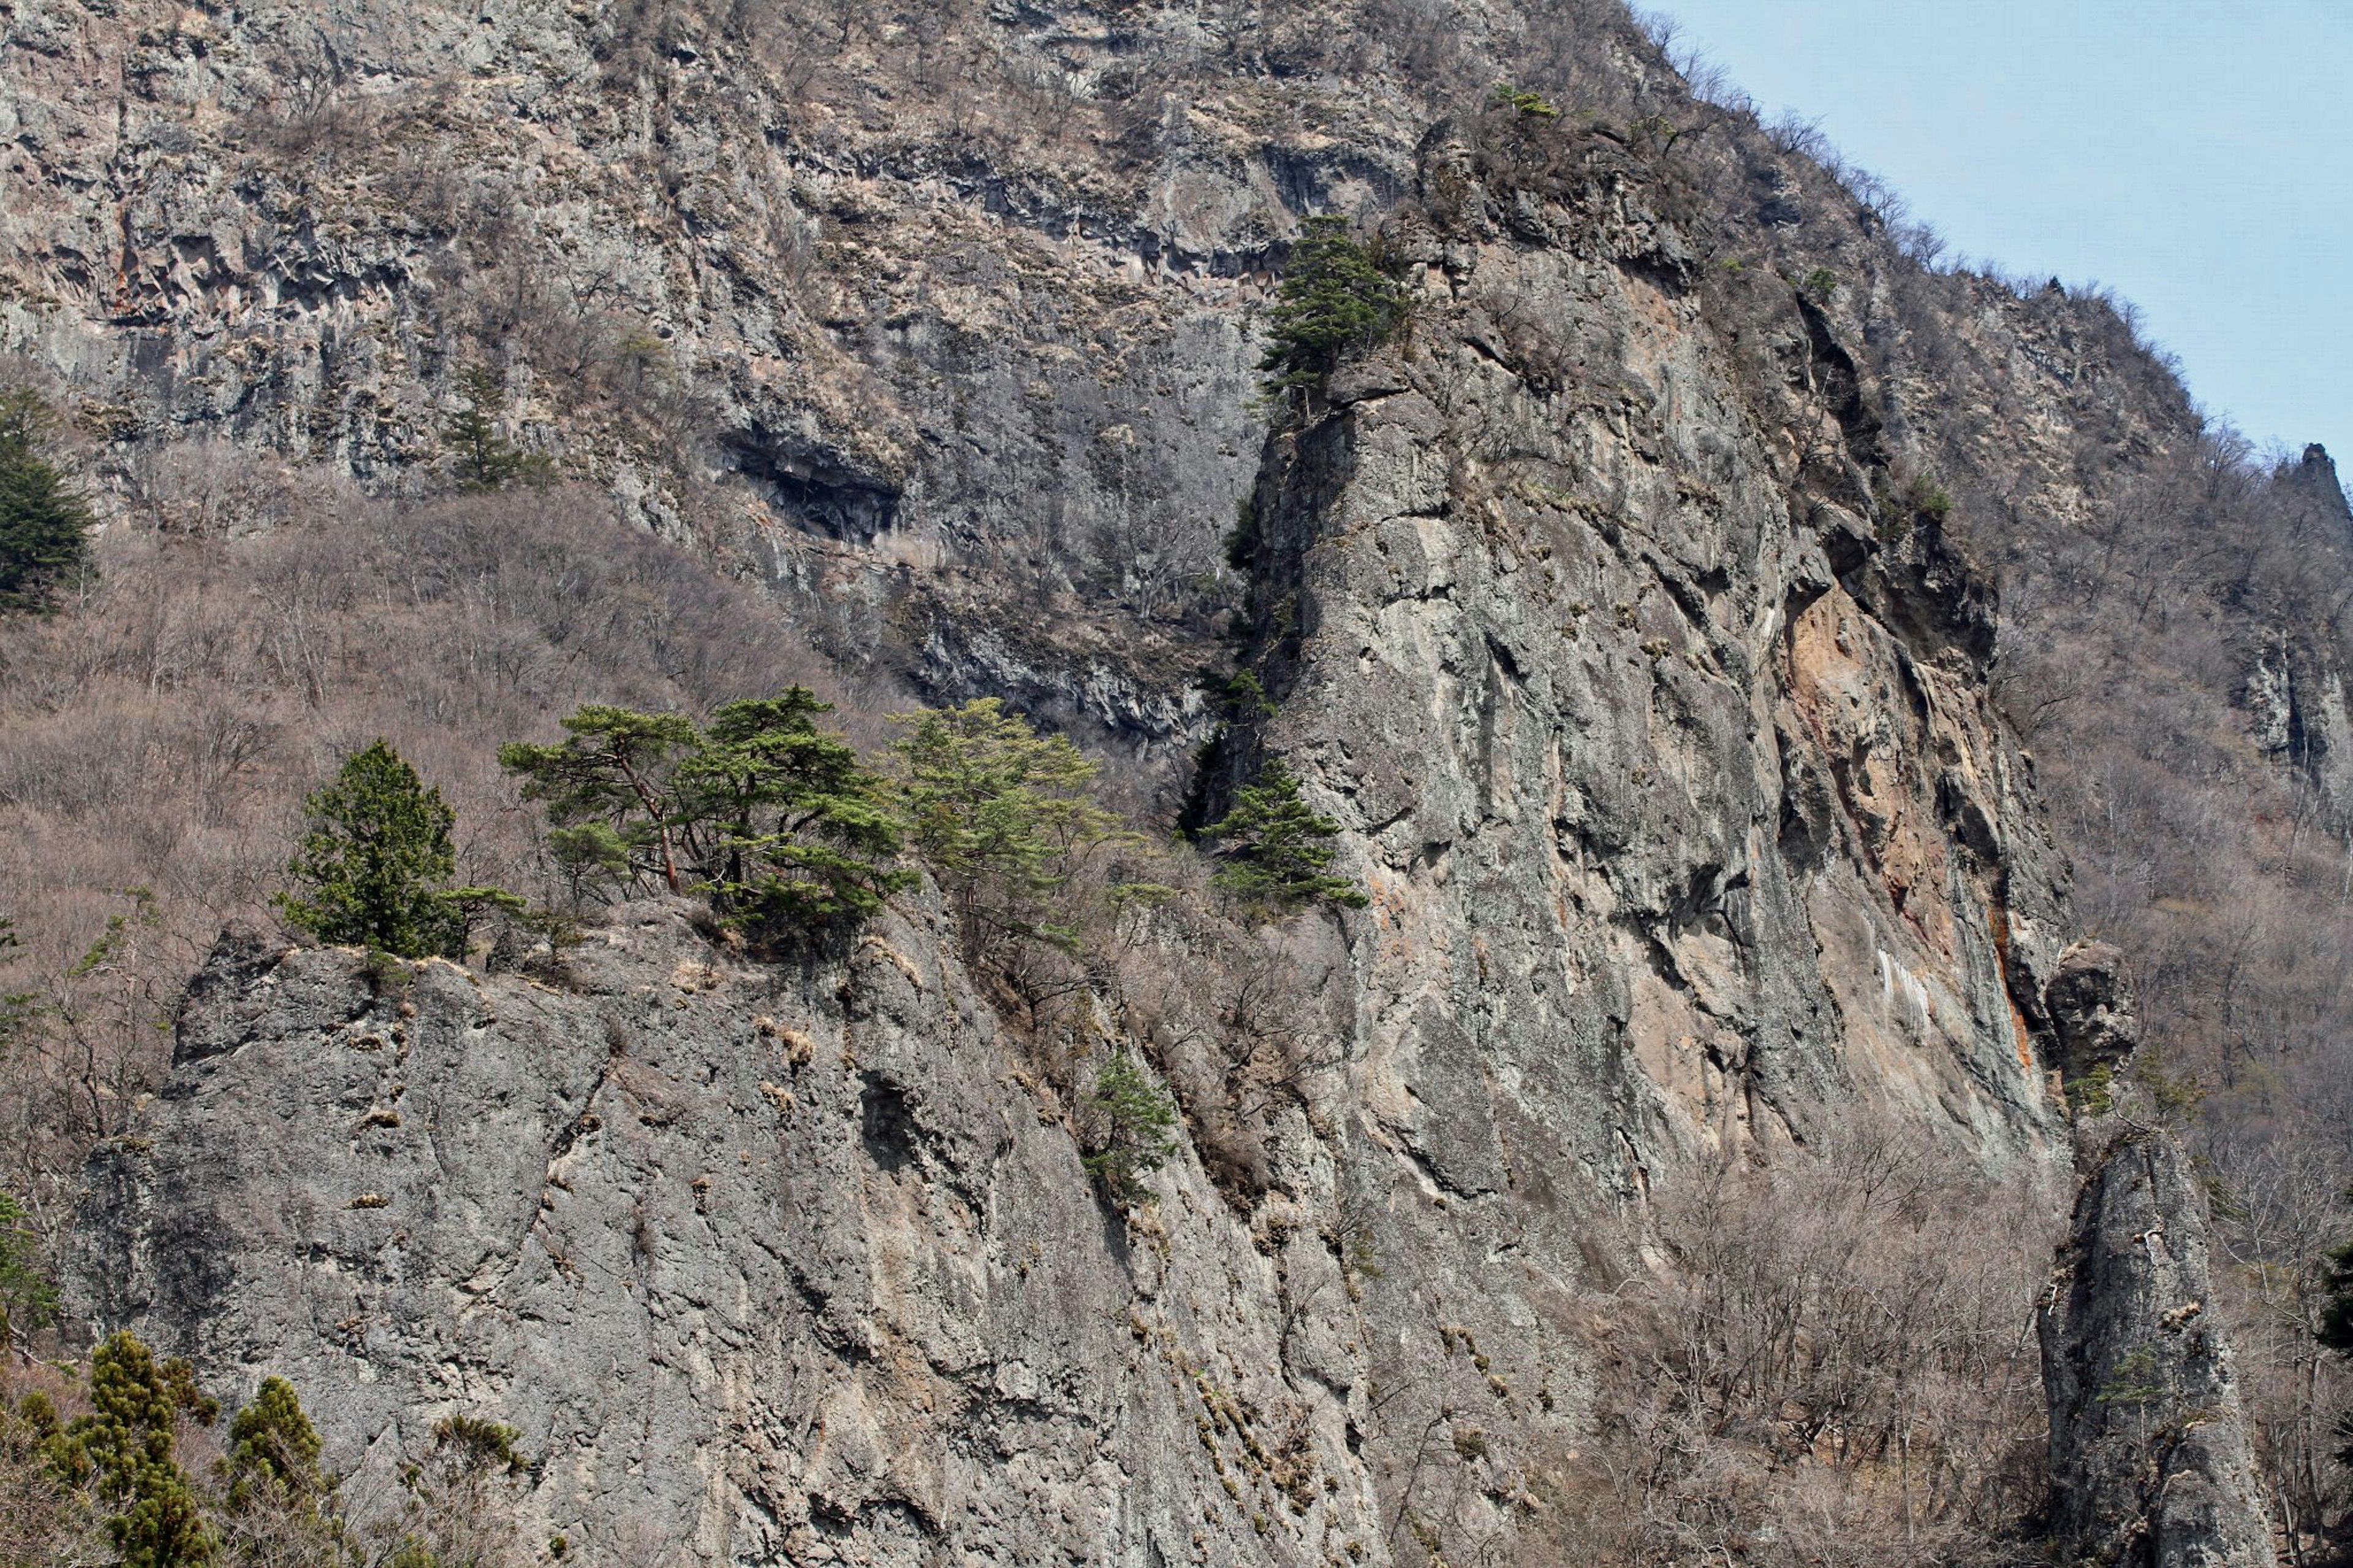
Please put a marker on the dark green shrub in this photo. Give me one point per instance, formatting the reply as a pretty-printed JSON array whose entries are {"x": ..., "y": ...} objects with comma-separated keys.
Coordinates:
[
  {"x": 2093, "y": 1093},
  {"x": 1132, "y": 1130},
  {"x": 1336, "y": 301},
  {"x": 44, "y": 521},
  {"x": 1928, "y": 499},
  {"x": 1276, "y": 848}
]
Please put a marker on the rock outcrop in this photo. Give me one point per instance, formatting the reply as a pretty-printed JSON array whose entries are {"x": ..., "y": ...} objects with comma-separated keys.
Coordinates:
[
  {"x": 1672, "y": 777},
  {"x": 2091, "y": 1009},
  {"x": 2150, "y": 1459},
  {"x": 768, "y": 1264}
]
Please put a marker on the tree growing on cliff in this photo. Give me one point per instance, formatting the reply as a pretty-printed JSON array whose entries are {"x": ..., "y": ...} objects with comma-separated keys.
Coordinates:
[
  {"x": 1131, "y": 1122},
  {"x": 1277, "y": 849},
  {"x": 276, "y": 1506},
  {"x": 799, "y": 834},
  {"x": 44, "y": 521},
  {"x": 481, "y": 459},
  {"x": 1334, "y": 301},
  {"x": 773, "y": 819},
  {"x": 1004, "y": 816},
  {"x": 375, "y": 868}
]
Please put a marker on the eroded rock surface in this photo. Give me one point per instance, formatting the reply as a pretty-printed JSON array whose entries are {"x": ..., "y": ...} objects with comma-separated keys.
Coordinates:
[
  {"x": 2150, "y": 1458},
  {"x": 768, "y": 1264}
]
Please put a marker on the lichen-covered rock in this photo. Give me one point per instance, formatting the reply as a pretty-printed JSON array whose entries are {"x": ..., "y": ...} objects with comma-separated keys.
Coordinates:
[{"x": 2150, "y": 1466}]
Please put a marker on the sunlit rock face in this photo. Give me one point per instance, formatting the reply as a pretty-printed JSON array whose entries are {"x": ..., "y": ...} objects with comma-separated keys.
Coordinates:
[{"x": 1604, "y": 608}]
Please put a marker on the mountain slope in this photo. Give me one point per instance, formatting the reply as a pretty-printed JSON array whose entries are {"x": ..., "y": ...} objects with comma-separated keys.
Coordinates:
[{"x": 1633, "y": 611}]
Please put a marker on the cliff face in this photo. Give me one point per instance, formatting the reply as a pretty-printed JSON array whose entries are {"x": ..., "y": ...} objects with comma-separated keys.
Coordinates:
[
  {"x": 1687, "y": 831},
  {"x": 2149, "y": 1456},
  {"x": 1604, "y": 608},
  {"x": 767, "y": 1265},
  {"x": 1684, "y": 814}
]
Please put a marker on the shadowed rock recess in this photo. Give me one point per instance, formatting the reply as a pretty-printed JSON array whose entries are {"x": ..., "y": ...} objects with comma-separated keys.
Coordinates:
[{"x": 1609, "y": 608}]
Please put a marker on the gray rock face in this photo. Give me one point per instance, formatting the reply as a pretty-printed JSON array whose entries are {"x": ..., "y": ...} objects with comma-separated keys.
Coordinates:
[
  {"x": 2092, "y": 1008},
  {"x": 2150, "y": 1458},
  {"x": 1673, "y": 780},
  {"x": 768, "y": 1264}
]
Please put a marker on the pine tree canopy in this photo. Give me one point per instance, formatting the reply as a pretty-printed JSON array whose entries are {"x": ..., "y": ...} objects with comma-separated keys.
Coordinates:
[
  {"x": 775, "y": 820},
  {"x": 1277, "y": 849},
  {"x": 376, "y": 867},
  {"x": 124, "y": 1451},
  {"x": 43, "y": 520},
  {"x": 273, "y": 1449},
  {"x": 1334, "y": 300},
  {"x": 1004, "y": 815}
]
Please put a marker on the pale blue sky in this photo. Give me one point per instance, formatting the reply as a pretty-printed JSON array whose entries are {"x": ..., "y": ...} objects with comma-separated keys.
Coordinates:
[{"x": 2195, "y": 155}]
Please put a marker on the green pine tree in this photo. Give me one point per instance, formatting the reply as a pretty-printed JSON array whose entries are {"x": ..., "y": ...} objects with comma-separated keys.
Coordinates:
[
  {"x": 1003, "y": 815},
  {"x": 775, "y": 820},
  {"x": 44, "y": 521},
  {"x": 273, "y": 1450},
  {"x": 610, "y": 790},
  {"x": 374, "y": 868},
  {"x": 1134, "y": 1126},
  {"x": 123, "y": 1454},
  {"x": 1334, "y": 301},
  {"x": 1276, "y": 850},
  {"x": 481, "y": 459},
  {"x": 276, "y": 1505},
  {"x": 797, "y": 832}
]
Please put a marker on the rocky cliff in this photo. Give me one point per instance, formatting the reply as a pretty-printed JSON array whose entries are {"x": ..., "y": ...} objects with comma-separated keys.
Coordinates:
[
  {"x": 767, "y": 1265},
  {"x": 1611, "y": 609},
  {"x": 2150, "y": 1462},
  {"x": 1686, "y": 830}
]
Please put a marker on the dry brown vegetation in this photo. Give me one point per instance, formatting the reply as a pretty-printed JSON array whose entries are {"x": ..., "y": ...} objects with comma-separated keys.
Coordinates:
[
  {"x": 1825, "y": 1369},
  {"x": 2214, "y": 846}
]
